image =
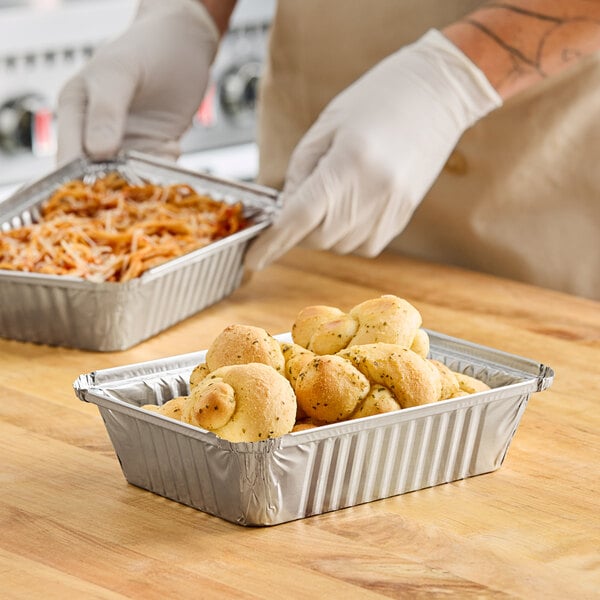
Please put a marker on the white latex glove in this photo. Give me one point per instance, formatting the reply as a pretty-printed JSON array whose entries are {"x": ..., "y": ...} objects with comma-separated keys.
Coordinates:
[
  {"x": 141, "y": 90},
  {"x": 356, "y": 177}
]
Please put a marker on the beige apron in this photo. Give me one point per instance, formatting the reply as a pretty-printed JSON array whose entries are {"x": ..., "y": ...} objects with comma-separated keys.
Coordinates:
[{"x": 519, "y": 197}]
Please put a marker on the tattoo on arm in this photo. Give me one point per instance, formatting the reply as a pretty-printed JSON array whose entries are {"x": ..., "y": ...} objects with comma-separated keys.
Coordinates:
[
  {"x": 517, "y": 57},
  {"x": 532, "y": 38},
  {"x": 555, "y": 23},
  {"x": 524, "y": 11}
]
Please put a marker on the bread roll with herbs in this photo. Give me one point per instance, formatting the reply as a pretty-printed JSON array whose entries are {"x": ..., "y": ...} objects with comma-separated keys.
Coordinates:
[
  {"x": 243, "y": 403},
  {"x": 386, "y": 319},
  {"x": 420, "y": 344},
  {"x": 339, "y": 366},
  {"x": 378, "y": 401},
  {"x": 242, "y": 344},
  {"x": 412, "y": 379},
  {"x": 470, "y": 385},
  {"x": 448, "y": 380},
  {"x": 172, "y": 408},
  {"x": 389, "y": 319},
  {"x": 295, "y": 357},
  {"x": 198, "y": 374},
  {"x": 303, "y": 425},
  {"x": 329, "y": 389},
  {"x": 323, "y": 329}
]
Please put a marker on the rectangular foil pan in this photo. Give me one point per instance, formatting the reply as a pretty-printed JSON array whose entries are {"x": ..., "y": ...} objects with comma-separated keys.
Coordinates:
[
  {"x": 317, "y": 470},
  {"x": 66, "y": 311}
]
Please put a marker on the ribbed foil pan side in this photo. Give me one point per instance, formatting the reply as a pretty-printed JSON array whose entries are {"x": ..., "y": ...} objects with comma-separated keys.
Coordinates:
[
  {"x": 65, "y": 311},
  {"x": 111, "y": 317},
  {"x": 318, "y": 470},
  {"x": 275, "y": 485}
]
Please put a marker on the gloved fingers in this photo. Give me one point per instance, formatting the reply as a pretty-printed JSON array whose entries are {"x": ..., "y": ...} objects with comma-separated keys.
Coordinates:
[
  {"x": 160, "y": 147},
  {"x": 356, "y": 234},
  {"x": 368, "y": 244},
  {"x": 302, "y": 212},
  {"x": 110, "y": 89},
  {"x": 372, "y": 247},
  {"x": 70, "y": 115},
  {"x": 354, "y": 193},
  {"x": 275, "y": 242},
  {"x": 152, "y": 132},
  {"x": 352, "y": 241},
  {"x": 396, "y": 216},
  {"x": 310, "y": 149},
  {"x": 336, "y": 191},
  {"x": 387, "y": 217}
]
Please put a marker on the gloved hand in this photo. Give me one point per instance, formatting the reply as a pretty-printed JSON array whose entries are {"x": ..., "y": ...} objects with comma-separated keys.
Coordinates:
[
  {"x": 141, "y": 90},
  {"x": 356, "y": 177}
]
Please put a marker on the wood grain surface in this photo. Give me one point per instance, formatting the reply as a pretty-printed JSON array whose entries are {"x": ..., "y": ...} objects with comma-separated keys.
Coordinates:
[{"x": 71, "y": 526}]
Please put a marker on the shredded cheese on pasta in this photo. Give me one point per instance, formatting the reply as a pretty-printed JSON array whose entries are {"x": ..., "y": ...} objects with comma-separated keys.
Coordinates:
[{"x": 110, "y": 230}]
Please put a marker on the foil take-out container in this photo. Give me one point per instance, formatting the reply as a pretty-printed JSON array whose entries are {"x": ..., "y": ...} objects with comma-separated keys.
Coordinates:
[
  {"x": 67, "y": 311},
  {"x": 318, "y": 470}
]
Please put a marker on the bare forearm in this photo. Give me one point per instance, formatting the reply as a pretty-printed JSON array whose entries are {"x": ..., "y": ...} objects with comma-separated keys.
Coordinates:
[
  {"x": 220, "y": 11},
  {"x": 517, "y": 43}
]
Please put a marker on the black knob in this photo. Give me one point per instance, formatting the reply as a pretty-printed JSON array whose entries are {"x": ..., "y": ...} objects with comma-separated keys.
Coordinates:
[
  {"x": 238, "y": 91},
  {"x": 26, "y": 124}
]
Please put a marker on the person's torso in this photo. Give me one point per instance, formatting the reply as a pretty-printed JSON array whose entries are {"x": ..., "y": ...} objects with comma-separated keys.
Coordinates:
[{"x": 519, "y": 197}]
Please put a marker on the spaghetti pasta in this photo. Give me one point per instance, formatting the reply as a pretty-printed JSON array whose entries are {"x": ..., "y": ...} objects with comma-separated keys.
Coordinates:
[{"x": 111, "y": 230}]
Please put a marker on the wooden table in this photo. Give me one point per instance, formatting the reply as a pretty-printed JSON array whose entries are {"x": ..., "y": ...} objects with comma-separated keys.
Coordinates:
[{"x": 71, "y": 527}]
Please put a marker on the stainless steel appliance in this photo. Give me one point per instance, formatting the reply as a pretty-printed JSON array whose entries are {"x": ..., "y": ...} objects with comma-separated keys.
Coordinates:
[{"x": 44, "y": 42}]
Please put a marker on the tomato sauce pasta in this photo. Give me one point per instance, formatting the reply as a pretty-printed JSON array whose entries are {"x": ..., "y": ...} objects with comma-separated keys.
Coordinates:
[{"x": 110, "y": 230}]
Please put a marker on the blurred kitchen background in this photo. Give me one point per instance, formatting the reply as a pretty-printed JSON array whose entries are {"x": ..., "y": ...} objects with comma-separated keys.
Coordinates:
[{"x": 44, "y": 42}]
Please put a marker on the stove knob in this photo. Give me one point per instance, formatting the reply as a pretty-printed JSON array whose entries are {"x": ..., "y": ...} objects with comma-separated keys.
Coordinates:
[
  {"x": 26, "y": 124},
  {"x": 238, "y": 91}
]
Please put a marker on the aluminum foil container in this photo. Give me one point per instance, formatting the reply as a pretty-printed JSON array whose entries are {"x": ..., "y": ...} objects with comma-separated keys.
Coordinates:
[
  {"x": 317, "y": 470},
  {"x": 66, "y": 311}
]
